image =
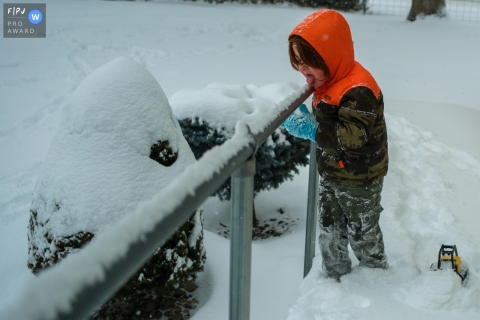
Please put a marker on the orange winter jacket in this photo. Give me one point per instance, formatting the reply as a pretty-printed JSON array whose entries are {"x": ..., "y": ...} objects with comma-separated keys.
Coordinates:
[{"x": 352, "y": 134}]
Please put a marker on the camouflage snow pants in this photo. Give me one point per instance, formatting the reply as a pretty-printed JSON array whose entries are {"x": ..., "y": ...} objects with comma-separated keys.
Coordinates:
[{"x": 350, "y": 215}]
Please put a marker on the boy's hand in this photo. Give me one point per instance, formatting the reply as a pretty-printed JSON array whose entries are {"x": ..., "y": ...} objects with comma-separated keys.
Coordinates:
[{"x": 303, "y": 125}]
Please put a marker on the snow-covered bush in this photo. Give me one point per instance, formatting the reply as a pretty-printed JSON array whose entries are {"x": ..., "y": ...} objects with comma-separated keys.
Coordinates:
[
  {"x": 163, "y": 285},
  {"x": 276, "y": 160},
  {"x": 118, "y": 145},
  {"x": 208, "y": 117}
]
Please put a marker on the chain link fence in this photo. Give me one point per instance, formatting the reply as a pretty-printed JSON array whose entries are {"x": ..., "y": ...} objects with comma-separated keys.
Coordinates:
[{"x": 462, "y": 10}]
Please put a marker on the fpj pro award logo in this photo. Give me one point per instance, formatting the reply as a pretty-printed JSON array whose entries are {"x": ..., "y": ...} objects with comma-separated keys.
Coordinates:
[{"x": 24, "y": 20}]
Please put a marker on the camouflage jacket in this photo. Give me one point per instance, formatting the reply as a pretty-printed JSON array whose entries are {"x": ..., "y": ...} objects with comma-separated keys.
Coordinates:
[{"x": 352, "y": 139}]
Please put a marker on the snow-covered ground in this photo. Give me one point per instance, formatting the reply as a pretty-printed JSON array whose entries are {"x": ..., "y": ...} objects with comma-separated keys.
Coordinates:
[{"x": 428, "y": 72}]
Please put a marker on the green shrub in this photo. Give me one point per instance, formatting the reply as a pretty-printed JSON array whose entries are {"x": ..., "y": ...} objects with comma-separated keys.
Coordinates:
[
  {"x": 165, "y": 282},
  {"x": 276, "y": 160},
  {"x": 163, "y": 286}
]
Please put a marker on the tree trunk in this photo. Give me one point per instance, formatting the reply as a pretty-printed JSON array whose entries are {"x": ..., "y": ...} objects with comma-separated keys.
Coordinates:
[
  {"x": 426, "y": 7},
  {"x": 255, "y": 220}
]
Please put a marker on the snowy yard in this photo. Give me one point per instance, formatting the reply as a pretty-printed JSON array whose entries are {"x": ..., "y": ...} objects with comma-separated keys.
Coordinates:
[{"x": 428, "y": 72}]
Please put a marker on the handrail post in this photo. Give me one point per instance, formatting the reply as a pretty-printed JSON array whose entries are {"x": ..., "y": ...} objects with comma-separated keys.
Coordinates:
[
  {"x": 310, "y": 233},
  {"x": 241, "y": 240}
]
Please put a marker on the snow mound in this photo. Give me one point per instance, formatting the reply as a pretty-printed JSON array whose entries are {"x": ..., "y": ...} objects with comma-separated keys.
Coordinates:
[{"x": 98, "y": 167}]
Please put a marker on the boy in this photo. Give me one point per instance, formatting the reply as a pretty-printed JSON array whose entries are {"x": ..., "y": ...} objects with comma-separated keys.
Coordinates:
[{"x": 349, "y": 127}]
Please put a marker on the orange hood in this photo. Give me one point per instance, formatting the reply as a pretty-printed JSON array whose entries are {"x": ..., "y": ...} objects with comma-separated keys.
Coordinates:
[{"x": 329, "y": 34}]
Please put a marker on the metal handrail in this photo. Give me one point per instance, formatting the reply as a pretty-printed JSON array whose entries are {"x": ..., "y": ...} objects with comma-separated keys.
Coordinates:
[{"x": 95, "y": 290}]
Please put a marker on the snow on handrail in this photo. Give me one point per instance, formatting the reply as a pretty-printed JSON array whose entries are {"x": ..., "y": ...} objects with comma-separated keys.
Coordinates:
[{"x": 80, "y": 284}]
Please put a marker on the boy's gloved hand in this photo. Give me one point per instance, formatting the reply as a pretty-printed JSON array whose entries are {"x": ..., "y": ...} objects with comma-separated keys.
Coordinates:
[{"x": 303, "y": 125}]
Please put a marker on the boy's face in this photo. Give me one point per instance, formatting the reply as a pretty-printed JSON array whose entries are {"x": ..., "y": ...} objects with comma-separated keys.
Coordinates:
[{"x": 314, "y": 77}]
